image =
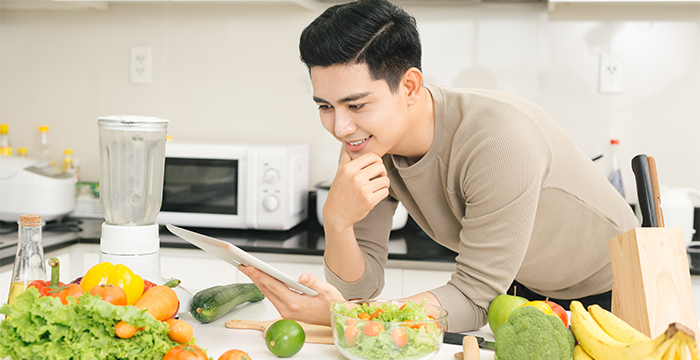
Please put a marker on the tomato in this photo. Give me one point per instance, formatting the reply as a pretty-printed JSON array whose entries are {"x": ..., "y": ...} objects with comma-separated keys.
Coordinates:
[
  {"x": 64, "y": 292},
  {"x": 364, "y": 316},
  {"x": 147, "y": 285},
  {"x": 350, "y": 334},
  {"x": 349, "y": 322},
  {"x": 185, "y": 352},
  {"x": 373, "y": 328},
  {"x": 180, "y": 330},
  {"x": 234, "y": 355},
  {"x": 399, "y": 336},
  {"x": 412, "y": 326},
  {"x": 376, "y": 314},
  {"x": 110, "y": 293}
]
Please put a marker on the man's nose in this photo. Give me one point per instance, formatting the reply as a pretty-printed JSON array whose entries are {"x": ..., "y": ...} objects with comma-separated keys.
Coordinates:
[{"x": 344, "y": 124}]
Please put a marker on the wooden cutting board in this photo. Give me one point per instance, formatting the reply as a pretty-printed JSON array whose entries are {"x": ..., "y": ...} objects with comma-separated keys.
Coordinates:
[{"x": 315, "y": 334}]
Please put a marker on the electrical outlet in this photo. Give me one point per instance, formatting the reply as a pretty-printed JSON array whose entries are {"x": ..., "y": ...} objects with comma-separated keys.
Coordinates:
[
  {"x": 140, "y": 65},
  {"x": 610, "y": 73}
]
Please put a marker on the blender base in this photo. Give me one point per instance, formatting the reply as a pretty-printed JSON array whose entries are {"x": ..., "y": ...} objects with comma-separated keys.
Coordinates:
[{"x": 138, "y": 248}]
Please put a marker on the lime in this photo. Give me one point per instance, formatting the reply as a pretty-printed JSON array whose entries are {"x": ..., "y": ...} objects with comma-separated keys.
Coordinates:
[{"x": 285, "y": 338}]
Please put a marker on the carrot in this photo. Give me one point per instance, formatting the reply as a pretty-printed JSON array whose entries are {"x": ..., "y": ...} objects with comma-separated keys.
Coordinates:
[
  {"x": 159, "y": 301},
  {"x": 180, "y": 330}
]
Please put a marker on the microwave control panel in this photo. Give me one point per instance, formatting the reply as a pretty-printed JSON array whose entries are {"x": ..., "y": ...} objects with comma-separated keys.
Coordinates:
[{"x": 282, "y": 196}]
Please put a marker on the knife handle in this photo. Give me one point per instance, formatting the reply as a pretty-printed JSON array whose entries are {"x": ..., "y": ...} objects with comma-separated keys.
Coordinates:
[
  {"x": 470, "y": 348},
  {"x": 657, "y": 192},
  {"x": 645, "y": 194}
]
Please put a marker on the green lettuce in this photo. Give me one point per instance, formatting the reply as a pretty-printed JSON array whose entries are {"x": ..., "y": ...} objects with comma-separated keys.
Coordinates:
[{"x": 43, "y": 328}]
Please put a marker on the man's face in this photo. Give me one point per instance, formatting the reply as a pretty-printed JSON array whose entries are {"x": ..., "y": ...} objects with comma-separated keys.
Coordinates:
[{"x": 360, "y": 112}]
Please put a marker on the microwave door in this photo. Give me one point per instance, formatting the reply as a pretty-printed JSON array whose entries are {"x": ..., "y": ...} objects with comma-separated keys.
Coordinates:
[{"x": 200, "y": 186}]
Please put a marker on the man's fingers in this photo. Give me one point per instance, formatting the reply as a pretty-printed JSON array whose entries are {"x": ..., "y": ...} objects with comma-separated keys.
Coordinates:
[{"x": 344, "y": 157}]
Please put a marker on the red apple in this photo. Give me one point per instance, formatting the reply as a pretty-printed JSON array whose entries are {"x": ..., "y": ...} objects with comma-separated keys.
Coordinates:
[{"x": 559, "y": 311}]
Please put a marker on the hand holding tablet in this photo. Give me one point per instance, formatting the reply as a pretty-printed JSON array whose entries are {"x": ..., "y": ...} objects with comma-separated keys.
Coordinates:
[{"x": 233, "y": 255}]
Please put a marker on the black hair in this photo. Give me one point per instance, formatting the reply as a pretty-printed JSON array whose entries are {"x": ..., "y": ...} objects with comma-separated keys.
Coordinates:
[{"x": 375, "y": 32}]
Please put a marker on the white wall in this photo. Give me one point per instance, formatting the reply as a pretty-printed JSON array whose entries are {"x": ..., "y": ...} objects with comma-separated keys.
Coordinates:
[{"x": 226, "y": 72}]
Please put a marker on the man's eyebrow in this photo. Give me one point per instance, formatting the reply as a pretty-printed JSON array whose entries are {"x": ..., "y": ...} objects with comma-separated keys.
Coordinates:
[{"x": 346, "y": 99}]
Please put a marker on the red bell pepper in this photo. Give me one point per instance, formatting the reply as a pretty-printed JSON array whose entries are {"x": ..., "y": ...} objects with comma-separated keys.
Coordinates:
[{"x": 55, "y": 288}]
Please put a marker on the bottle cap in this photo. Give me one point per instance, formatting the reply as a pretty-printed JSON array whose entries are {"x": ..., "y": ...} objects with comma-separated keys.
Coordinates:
[
  {"x": 615, "y": 142},
  {"x": 68, "y": 151},
  {"x": 43, "y": 128},
  {"x": 30, "y": 220},
  {"x": 3, "y": 128},
  {"x": 22, "y": 151}
]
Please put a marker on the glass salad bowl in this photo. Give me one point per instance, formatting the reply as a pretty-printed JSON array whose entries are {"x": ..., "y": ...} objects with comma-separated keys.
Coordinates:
[{"x": 387, "y": 329}]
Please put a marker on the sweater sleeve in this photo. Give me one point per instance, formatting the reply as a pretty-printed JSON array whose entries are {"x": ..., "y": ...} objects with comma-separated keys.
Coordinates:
[
  {"x": 499, "y": 177},
  {"x": 372, "y": 234}
]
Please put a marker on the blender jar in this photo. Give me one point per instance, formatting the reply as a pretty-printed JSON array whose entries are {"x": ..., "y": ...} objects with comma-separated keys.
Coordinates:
[
  {"x": 132, "y": 161},
  {"x": 132, "y": 157}
]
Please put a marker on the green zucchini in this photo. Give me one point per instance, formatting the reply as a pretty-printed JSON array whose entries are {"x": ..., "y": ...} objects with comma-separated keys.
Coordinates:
[{"x": 213, "y": 303}]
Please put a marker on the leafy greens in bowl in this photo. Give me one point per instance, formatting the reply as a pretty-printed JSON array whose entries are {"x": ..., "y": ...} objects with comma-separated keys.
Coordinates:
[{"x": 381, "y": 329}]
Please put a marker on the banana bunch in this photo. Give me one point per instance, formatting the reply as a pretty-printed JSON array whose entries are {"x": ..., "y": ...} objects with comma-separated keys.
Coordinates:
[{"x": 604, "y": 336}]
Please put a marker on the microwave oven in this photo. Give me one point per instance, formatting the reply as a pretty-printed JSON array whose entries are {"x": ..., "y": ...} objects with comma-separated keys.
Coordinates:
[{"x": 235, "y": 186}]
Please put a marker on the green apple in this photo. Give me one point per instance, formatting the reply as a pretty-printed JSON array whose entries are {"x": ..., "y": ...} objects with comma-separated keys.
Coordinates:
[{"x": 500, "y": 309}]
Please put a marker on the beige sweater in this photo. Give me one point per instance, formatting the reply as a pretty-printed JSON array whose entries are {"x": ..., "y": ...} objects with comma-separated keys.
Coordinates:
[{"x": 504, "y": 187}]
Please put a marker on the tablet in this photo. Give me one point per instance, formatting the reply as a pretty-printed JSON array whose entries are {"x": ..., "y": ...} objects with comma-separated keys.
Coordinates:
[{"x": 233, "y": 255}]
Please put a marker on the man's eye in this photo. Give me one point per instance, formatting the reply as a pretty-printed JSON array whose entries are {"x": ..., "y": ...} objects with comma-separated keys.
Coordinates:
[
  {"x": 323, "y": 107},
  {"x": 356, "y": 107}
]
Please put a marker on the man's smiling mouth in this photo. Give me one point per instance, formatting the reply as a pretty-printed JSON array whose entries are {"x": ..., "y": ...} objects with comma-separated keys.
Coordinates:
[{"x": 358, "y": 142}]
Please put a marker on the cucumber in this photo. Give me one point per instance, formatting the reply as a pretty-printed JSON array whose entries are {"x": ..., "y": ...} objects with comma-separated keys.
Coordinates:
[{"x": 213, "y": 303}]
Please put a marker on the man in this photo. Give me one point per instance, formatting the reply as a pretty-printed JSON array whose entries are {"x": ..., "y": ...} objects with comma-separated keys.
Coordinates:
[{"x": 488, "y": 175}]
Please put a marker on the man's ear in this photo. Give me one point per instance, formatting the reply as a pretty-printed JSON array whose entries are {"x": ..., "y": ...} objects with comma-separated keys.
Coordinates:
[{"x": 412, "y": 83}]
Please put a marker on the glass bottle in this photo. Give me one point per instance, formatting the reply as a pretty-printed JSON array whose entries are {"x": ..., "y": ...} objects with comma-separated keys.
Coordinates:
[
  {"x": 22, "y": 152},
  {"x": 44, "y": 153},
  {"x": 29, "y": 261},
  {"x": 615, "y": 176},
  {"x": 5, "y": 145},
  {"x": 68, "y": 165}
]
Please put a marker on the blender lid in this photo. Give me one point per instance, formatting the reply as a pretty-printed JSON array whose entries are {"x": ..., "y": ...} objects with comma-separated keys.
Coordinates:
[{"x": 132, "y": 119}]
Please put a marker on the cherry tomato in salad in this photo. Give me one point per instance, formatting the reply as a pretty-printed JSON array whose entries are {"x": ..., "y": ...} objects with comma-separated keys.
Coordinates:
[
  {"x": 363, "y": 316},
  {"x": 376, "y": 314},
  {"x": 373, "y": 328},
  {"x": 350, "y": 334},
  {"x": 399, "y": 336}
]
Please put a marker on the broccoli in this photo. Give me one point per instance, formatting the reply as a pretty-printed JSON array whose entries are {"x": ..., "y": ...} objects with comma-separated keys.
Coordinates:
[{"x": 529, "y": 334}]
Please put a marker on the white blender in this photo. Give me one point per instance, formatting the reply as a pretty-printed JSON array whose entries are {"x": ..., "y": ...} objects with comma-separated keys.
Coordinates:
[{"x": 132, "y": 159}]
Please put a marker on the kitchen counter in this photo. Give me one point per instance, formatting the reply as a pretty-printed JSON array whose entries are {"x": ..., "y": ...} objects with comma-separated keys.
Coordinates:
[
  {"x": 407, "y": 244},
  {"x": 79, "y": 249}
]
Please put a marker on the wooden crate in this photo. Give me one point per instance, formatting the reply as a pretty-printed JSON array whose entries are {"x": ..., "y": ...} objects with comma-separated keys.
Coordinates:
[{"x": 652, "y": 280}]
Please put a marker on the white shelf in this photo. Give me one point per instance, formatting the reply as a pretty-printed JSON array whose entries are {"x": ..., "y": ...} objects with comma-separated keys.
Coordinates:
[{"x": 104, "y": 4}]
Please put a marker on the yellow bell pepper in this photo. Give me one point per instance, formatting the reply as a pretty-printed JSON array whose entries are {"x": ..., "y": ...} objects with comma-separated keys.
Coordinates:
[{"x": 118, "y": 275}]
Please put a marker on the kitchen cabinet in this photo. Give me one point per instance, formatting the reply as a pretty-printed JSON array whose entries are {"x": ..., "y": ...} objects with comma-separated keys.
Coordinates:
[{"x": 199, "y": 270}]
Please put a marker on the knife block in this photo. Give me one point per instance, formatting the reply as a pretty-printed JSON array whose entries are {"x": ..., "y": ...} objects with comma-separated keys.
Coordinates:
[{"x": 652, "y": 286}]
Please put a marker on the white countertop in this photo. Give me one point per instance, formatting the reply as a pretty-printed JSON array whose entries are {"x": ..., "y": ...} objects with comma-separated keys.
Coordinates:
[{"x": 217, "y": 339}]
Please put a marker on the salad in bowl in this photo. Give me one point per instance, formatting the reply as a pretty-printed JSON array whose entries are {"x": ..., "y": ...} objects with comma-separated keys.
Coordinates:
[{"x": 387, "y": 329}]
